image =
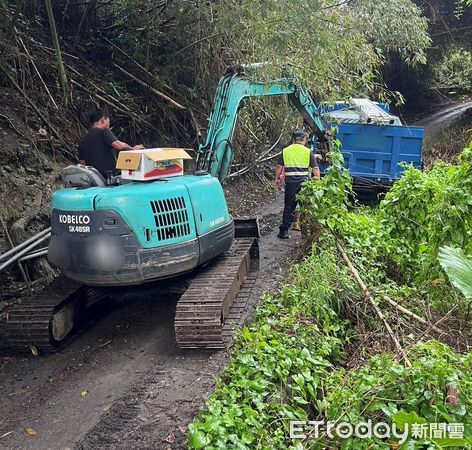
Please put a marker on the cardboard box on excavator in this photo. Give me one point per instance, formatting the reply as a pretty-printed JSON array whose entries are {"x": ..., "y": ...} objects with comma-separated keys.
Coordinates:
[{"x": 151, "y": 163}]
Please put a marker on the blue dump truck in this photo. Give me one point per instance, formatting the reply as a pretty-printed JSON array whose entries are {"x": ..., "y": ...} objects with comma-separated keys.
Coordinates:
[{"x": 375, "y": 144}]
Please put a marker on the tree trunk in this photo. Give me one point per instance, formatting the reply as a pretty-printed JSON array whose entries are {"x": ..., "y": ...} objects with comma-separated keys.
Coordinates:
[{"x": 57, "y": 48}]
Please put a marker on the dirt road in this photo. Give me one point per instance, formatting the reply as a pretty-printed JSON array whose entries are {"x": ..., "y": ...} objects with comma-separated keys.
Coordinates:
[
  {"x": 123, "y": 383},
  {"x": 442, "y": 119}
]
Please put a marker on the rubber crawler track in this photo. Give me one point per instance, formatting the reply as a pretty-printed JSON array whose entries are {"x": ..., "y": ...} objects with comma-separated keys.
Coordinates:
[
  {"x": 204, "y": 308},
  {"x": 29, "y": 323}
]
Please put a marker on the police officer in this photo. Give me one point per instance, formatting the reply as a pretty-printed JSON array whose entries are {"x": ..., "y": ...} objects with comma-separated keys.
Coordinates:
[{"x": 296, "y": 161}]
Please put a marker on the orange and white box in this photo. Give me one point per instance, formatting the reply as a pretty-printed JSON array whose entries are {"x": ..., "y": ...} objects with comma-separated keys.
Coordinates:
[{"x": 151, "y": 163}]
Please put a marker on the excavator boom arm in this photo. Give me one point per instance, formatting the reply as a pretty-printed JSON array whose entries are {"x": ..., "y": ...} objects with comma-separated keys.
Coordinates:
[{"x": 215, "y": 154}]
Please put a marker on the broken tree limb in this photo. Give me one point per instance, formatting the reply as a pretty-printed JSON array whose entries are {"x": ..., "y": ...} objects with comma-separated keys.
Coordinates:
[
  {"x": 413, "y": 315},
  {"x": 157, "y": 93},
  {"x": 377, "y": 310},
  {"x": 165, "y": 97}
]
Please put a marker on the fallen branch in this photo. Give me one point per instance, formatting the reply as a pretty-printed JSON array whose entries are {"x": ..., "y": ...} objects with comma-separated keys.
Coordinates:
[
  {"x": 157, "y": 93},
  {"x": 128, "y": 56},
  {"x": 377, "y": 310},
  {"x": 10, "y": 124},
  {"x": 438, "y": 322},
  {"x": 113, "y": 103},
  {"x": 413, "y": 315},
  {"x": 28, "y": 55},
  {"x": 260, "y": 159},
  {"x": 165, "y": 97}
]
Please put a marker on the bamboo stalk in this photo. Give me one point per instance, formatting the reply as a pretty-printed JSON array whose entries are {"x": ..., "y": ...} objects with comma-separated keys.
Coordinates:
[
  {"x": 102, "y": 91},
  {"x": 28, "y": 55},
  {"x": 128, "y": 56},
  {"x": 413, "y": 315},
  {"x": 377, "y": 310},
  {"x": 109, "y": 102},
  {"x": 157, "y": 93},
  {"x": 112, "y": 102},
  {"x": 57, "y": 48}
]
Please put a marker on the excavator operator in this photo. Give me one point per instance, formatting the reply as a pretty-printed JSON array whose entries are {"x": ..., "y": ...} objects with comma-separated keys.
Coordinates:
[
  {"x": 99, "y": 146},
  {"x": 296, "y": 161}
]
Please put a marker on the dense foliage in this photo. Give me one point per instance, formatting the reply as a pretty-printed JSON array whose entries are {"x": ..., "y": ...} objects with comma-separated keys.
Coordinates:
[
  {"x": 384, "y": 390},
  {"x": 287, "y": 363},
  {"x": 385, "y": 26},
  {"x": 426, "y": 210},
  {"x": 338, "y": 49},
  {"x": 422, "y": 212},
  {"x": 455, "y": 69}
]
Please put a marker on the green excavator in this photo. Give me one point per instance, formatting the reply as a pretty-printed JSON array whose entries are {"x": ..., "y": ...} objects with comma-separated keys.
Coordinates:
[{"x": 130, "y": 233}]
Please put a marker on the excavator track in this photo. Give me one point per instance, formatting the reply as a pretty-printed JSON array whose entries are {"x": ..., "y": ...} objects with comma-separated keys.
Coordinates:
[
  {"x": 204, "y": 315},
  {"x": 236, "y": 313},
  {"x": 44, "y": 321}
]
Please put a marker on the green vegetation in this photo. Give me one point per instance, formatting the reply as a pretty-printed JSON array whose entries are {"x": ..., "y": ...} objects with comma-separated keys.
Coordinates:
[
  {"x": 455, "y": 70},
  {"x": 282, "y": 361},
  {"x": 290, "y": 363},
  {"x": 383, "y": 23},
  {"x": 181, "y": 49},
  {"x": 458, "y": 267}
]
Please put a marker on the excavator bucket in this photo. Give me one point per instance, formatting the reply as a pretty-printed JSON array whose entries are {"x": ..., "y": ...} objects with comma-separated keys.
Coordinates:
[{"x": 246, "y": 227}]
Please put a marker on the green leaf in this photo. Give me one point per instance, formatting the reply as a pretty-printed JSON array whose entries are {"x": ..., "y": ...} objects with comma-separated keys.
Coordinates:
[
  {"x": 448, "y": 442},
  {"x": 401, "y": 418},
  {"x": 196, "y": 439},
  {"x": 458, "y": 268}
]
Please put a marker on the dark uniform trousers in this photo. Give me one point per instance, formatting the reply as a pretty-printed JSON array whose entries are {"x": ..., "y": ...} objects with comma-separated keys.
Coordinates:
[{"x": 292, "y": 188}]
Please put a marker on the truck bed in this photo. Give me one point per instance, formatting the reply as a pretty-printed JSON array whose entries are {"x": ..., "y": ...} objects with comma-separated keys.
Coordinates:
[{"x": 374, "y": 154}]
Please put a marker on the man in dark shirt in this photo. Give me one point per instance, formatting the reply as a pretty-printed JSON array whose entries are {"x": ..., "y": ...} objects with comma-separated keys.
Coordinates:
[
  {"x": 99, "y": 146},
  {"x": 295, "y": 161}
]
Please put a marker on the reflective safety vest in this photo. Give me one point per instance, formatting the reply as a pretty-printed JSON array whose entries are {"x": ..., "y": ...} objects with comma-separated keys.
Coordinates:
[{"x": 296, "y": 162}]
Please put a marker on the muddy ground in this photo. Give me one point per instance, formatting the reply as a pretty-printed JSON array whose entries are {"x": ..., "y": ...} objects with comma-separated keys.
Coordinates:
[{"x": 123, "y": 383}]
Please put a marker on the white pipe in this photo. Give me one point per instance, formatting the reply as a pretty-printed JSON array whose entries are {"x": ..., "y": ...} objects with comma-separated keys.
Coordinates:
[
  {"x": 24, "y": 251},
  {"x": 23, "y": 244},
  {"x": 34, "y": 255}
]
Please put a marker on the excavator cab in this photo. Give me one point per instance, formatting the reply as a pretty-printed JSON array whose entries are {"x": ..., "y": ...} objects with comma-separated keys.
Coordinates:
[{"x": 80, "y": 176}]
